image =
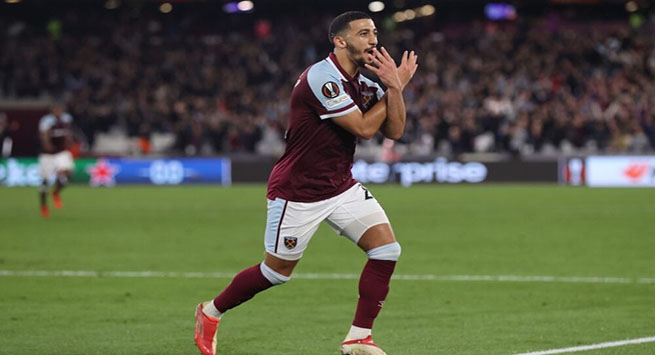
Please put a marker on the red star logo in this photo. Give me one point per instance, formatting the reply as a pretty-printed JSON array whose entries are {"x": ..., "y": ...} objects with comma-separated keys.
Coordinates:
[
  {"x": 102, "y": 173},
  {"x": 635, "y": 171}
]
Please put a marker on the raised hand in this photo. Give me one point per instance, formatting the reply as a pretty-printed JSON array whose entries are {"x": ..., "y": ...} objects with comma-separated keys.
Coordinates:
[
  {"x": 407, "y": 68},
  {"x": 385, "y": 68}
]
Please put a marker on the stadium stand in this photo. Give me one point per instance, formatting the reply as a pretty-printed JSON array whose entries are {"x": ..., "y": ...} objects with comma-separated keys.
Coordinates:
[{"x": 549, "y": 84}]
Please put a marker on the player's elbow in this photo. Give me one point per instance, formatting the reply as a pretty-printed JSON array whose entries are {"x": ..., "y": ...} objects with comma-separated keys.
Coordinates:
[
  {"x": 367, "y": 134},
  {"x": 396, "y": 135}
]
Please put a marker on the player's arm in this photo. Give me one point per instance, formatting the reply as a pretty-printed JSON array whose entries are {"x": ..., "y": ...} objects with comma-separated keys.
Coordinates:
[
  {"x": 44, "y": 135},
  {"x": 394, "y": 126},
  {"x": 366, "y": 125}
]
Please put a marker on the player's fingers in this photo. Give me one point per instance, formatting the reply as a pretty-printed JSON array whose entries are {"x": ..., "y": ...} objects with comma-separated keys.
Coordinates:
[
  {"x": 387, "y": 55},
  {"x": 404, "y": 59},
  {"x": 377, "y": 62},
  {"x": 377, "y": 55},
  {"x": 372, "y": 68},
  {"x": 380, "y": 55},
  {"x": 413, "y": 57}
]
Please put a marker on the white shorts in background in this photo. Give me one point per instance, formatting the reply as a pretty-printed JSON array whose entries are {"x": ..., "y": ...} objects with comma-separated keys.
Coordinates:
[
  {"x": 291, "y": 225},
  {"x": 50, "y": 164}
]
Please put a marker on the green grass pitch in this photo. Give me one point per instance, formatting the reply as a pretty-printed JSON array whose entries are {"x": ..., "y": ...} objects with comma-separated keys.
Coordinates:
[{"x": 493, "y": 230}]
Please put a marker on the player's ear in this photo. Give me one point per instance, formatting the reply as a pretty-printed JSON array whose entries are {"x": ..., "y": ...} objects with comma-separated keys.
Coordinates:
[{"x": 339, "y": 42}]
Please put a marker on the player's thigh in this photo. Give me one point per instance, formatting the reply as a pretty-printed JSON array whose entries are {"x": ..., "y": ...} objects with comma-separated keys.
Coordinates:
[
  {"x": 291, "y": 225},
  {"x": 64, "y": 161},
  {"x": 376, "y": 236},
  {"x": 358, "y": 213}
]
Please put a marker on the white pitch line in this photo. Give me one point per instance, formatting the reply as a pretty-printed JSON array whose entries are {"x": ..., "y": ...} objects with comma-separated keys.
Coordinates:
[
  {"x": 327, "y": 276},
  {"x": 610, "y": 344}
]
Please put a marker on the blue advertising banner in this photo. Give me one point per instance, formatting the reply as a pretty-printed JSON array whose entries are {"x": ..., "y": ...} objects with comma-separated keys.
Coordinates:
[{"x": 117, "y": 171}]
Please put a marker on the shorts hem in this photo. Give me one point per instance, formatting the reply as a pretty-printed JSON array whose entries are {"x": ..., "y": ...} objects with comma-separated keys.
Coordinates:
[{"x": 293, "y": 257}]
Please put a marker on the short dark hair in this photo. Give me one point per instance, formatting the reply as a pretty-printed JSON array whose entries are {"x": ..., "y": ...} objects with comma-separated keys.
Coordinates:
[{"x": 343, "y": 21}]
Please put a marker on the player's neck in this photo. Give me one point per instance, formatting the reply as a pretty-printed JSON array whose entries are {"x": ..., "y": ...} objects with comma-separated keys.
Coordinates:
[{"x": 344, "y": 61}]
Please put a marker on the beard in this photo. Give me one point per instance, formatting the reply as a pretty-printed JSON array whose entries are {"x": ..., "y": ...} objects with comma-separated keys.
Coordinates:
[{"x": 356, "y": 55}]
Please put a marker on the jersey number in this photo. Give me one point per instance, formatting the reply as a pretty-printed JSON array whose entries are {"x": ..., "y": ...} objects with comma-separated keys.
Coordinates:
[{"x": 367, "y": 194}]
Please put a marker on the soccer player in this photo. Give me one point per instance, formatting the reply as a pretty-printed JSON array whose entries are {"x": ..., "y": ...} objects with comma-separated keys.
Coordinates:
[
  {"x": 332, "y": 105},
  {"x": 56, "y": 136}
]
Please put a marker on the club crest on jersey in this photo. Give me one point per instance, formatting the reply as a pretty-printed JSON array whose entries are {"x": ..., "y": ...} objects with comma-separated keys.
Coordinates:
[
  {"x": 330, "y": 90},
  {"x": 290, "y": 242},
  {"x": 367, "y": 98}
]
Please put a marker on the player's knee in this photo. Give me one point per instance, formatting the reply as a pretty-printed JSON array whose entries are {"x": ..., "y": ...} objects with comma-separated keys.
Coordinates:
[
  {"x": 385, "y": 252},
  {"x": 273, "y": 276}
]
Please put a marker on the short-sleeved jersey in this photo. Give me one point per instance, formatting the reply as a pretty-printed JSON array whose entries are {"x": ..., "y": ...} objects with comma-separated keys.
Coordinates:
[
  {"x": 58, "y": 128},
  {"x": 317, "y": 162}
]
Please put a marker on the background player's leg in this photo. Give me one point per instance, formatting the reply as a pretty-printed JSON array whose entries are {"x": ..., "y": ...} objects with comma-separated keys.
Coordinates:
[
  {"x": 46, "y": 169},
  {"x": 62, "y": 179},
  {"x": 43, "y": 198},
  {"x": 380, "y": 244}
]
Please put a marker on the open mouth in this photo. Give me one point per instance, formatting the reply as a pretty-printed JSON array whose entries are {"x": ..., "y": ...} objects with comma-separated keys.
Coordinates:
[{"x": 370, "y": 53}]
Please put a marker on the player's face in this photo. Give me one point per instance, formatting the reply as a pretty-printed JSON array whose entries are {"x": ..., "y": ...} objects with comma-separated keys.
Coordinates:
[
  {"x": 360, "y": 41},
  {"x": 57, "y": 110}
]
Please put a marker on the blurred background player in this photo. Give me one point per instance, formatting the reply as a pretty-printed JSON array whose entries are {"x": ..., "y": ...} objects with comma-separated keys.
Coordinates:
[
  {"x": 4, "y": 133},
  {"x": 332, "y": 106},
  {"x": 55, "y": 160}
]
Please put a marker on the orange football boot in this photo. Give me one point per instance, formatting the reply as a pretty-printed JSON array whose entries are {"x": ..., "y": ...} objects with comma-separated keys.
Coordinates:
[{"x": 206, "y": 328}]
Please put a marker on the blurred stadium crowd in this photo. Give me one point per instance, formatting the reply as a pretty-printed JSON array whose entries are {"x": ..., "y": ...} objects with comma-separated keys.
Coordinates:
[{"x": 547, "y": 85}]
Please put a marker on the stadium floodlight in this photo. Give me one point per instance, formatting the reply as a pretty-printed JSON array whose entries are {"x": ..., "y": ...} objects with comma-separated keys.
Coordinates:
[
  {"x": 410, "y": 14},
  {"x": 245, "y": 6},
  {"x": 399, "y": 16},
  {"x": 236, "y": 7},
  {"x": 631, "y": 6},
  {"x": 166, "y": 7},
  {"x": 426, "y": 10},
  {"x": 12, "y": 1},
  {"x": 376, "y": 6},
  {"x": 112, "y": 4}
]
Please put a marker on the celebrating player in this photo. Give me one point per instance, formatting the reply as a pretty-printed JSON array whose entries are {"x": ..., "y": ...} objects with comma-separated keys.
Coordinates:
[
  {"x": 332, "y": 105},
  {"x": 55, "y": 160}
]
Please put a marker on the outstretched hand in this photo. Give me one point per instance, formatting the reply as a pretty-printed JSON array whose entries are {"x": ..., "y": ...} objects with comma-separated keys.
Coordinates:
[
  {"x": 385, "y": 68},
  {"x": 407, "y": 68}
]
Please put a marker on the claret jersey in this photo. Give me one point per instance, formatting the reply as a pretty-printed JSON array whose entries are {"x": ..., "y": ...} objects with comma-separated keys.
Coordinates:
[
  {"x": 59, "y": 129},
  {"x": 318, "y": 158}
]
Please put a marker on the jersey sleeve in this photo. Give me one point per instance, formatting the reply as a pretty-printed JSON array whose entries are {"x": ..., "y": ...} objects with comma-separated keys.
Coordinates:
[
  {"x": 67, "y": 118},
  {"x": 380, "y": 93},
  {"x": 327, "y": 88},
  {"x": 46, "y": 123}
]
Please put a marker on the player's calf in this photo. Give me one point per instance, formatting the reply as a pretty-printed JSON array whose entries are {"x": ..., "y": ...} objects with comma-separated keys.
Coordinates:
[
  {"x": 373, "y": 290},
  {"x": 243, "y": 287},
  {"x": 43, "y": 199}
]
